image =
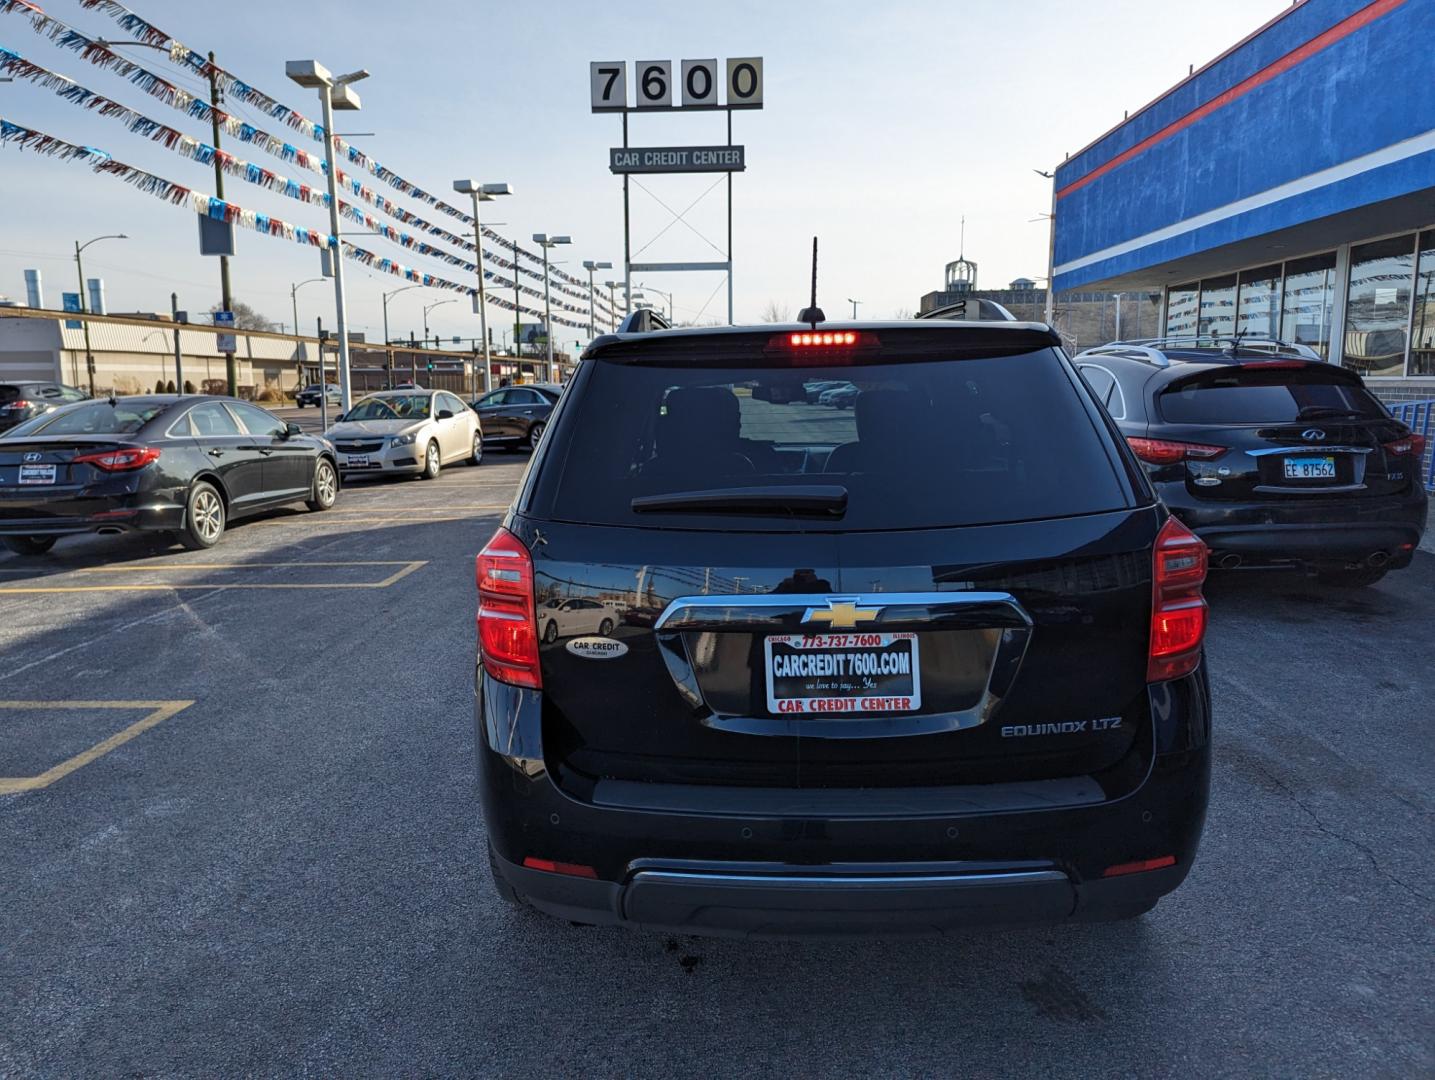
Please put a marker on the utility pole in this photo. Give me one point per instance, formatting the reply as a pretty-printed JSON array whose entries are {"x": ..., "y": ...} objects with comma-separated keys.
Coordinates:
[
  {"x": 89, "y": 354},
  {"x": 178, "y": 361},
  {"x": 231, "y": 371}
]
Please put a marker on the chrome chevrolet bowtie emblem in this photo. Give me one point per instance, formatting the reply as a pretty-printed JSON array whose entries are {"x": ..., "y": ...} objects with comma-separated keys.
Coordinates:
[
  {"x": 1313, "y": 435},
  {"x": 841, "y": 613}
]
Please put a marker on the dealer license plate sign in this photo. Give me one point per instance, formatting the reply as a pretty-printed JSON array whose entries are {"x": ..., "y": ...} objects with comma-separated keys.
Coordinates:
[
  {"x": 831, "y": 674},
  {"x": 357, "y": 461},
  {"x": 1310, "y": 468},
  {"x": 37, "y": 474}
]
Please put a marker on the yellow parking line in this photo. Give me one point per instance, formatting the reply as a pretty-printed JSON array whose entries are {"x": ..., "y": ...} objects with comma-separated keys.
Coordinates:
[
  {"x": 405, "y": 569},
  {"x": 161, "y": 711}
]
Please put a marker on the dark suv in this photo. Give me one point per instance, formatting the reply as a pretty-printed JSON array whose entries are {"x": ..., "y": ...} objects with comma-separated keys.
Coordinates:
[
  {"x": 932, "y": 662},
  {"x": 1270, "y": 455},
  {"x": 19, "y": 401}
]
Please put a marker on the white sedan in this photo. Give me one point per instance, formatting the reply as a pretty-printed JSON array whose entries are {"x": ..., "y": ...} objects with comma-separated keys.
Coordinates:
[{"x": 412, "y": 432}]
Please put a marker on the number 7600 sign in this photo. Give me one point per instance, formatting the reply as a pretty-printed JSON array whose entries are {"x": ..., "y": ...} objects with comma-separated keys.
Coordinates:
[{"x": 655, "y": 87}]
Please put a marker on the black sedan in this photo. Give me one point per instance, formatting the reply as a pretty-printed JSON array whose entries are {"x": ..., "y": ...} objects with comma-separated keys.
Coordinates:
[
  {"x": 20, "y": 401},
  {"x": 516, "y": 415},
  {"x": 179, "y": 465}
]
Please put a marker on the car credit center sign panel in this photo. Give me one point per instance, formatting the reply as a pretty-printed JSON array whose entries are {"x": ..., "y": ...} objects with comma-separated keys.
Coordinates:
[{"x": 671, "y": 159}]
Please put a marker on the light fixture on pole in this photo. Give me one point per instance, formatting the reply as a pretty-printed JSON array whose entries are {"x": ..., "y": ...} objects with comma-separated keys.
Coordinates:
[
  {"x": 427, "y": 309},
  {"x": 294, "y": 300},
  {"x": 334, "y": 93},
  {"x": 590, "y": 266},
  {"x": 388, "y": 353},
  {"x": 545, "y": 241},
  {"x": 854, "y": 304},
  {"x": 482, "y": 193},
  {"x": 80, "y": 268},
  {"x": 667, "y": 296}
]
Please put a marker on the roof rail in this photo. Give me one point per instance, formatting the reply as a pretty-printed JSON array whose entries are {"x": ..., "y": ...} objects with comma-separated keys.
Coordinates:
[
  {"x": 1130, "y": 350},
  {"x": 643, "y": 321},
  {"x": 976, "y": 308}
]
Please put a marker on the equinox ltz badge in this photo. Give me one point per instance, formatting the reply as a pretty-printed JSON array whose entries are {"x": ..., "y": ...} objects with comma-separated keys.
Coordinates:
[{"x": 841, "y": 613}]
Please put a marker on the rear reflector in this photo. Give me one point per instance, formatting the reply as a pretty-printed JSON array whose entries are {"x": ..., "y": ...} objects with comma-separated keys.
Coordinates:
[
  {"x": 1139, "y": 866},
  {"x": 1169, "y": 451},
  {"x": 1410, "y": 444},
  {"x": 120, "y": 460},
  {"x": 1178, "y": 610},
  {"x": 507, "y": 612},
  {"x": 551, "y": 867}
]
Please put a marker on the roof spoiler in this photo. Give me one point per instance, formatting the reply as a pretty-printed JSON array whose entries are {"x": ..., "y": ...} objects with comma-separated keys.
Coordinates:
[{"x": 643, "y": 321}]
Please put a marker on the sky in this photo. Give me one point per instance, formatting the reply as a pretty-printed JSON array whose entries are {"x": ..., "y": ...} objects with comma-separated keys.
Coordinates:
[{"x": 884, "y": 126}]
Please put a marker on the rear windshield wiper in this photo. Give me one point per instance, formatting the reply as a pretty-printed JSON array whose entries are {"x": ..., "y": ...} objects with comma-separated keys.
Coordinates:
[
  {"x": 1311, "y": 412},
  {"x": 818, "y": 500}
]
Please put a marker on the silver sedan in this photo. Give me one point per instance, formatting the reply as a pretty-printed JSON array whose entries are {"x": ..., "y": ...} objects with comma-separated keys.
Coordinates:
[{"x": 410, "y": 432}]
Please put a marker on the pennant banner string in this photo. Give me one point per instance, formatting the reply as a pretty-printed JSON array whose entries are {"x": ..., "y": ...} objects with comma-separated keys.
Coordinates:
[
  {"x": 198, "y": 64},
  {"x": 265, "y": 224}
]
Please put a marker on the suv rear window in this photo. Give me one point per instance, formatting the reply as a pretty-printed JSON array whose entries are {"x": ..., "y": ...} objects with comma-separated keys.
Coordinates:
[
  {"x": 9, "y": 393},
  {"x": 1243, "y": 396},
  {"x": 915, "y": 444}
]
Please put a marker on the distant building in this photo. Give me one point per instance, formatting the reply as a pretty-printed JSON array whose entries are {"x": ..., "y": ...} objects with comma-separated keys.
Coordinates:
[{"x": 1082, "y": 318}]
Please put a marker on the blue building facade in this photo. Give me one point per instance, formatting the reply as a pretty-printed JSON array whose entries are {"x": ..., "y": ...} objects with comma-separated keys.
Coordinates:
[{"x": 1285, "y": 190}]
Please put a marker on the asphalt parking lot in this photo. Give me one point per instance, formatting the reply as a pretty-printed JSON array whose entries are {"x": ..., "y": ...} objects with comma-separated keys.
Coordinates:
[{"x": 238, "y": 835}]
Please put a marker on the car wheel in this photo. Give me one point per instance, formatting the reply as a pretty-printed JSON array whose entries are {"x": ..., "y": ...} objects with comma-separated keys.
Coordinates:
[
  {"x": 476, "y": 458},
  {"x": 605, "y": 627},
  {"x": 550, "y": 633},
  {"x": 326, "y": 486},
  {"x": 203, "y": 518},
  {"x": 534, "y": 434},
  {"x": 1351, "y": 578},
  {"x": 432, "y": 463},
  {"x": 30, "y": 545},
  {"x": 298, "y": 404}
]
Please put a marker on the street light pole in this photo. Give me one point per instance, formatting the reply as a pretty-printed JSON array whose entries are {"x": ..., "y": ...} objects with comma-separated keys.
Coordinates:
[
  {"x": 84, "y": 309},
  {"x": 427, "y": 309},
  {"x": 389, "y": 352},
  {"x": 231, "y": 370},
  {"x": 333, "y": 92},
  {"x": 613, "y": 303},
  {"x": 590, "y": 266},
  {"x": 854, "y": 304},
  {"x": 294, "y": 300},
  {"x": 481, "y": 192},
  {"x": 545, "y": 241}
]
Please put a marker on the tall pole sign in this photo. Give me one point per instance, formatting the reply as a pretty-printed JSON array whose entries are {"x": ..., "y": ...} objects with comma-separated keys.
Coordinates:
[{"x": 699, "y": 85}]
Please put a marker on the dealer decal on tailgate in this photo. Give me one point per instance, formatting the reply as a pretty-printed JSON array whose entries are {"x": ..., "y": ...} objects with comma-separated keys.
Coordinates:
[{"x": 842, "y": 673}]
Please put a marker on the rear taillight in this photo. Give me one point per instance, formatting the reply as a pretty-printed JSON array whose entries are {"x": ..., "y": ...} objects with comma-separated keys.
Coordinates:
[
  {"x": 507, "y": 612},
  {"x": 18, "y": 403},
  {"x": 119, "y": 460},
  {"x": 1178, "y": 611},
  {"x": 1169, "y": 451},
  {"x": 1410, "y": 444},
  {"x": 551, "y": 867},
  {"x": 1140, "y": 866}
]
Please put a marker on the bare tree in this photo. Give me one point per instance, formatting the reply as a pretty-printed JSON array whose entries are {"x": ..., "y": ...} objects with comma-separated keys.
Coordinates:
[
  {"x": 246, "y": 318},
  {"x": 775, "y": 312},
  {"x": 904, "y": 313}
]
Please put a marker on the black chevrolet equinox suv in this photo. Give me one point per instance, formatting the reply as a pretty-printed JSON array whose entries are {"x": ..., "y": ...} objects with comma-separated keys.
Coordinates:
[{"x": 928, "y": 663}]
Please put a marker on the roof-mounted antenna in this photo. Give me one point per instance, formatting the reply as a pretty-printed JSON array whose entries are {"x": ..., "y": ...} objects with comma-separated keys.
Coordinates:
[{"x": 812, "y": 314}]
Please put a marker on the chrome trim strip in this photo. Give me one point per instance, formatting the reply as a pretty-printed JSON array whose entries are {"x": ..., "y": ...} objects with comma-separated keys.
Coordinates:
[
  {"x": 816, "y": 882},
  {"x": 1267, "y": 451},
  {"x": 1274, "y": 489},
  {"x": 796, "y": 601}
]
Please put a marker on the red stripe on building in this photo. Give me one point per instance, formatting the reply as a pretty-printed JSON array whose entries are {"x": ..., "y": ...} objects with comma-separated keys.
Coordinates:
[{"x": 1343, "y": 29}]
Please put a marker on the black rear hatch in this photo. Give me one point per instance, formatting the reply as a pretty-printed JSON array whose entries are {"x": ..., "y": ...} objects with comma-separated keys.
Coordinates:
[
  {"x": 948, "y": 584},
  {"x": 1281, "y": 430}
]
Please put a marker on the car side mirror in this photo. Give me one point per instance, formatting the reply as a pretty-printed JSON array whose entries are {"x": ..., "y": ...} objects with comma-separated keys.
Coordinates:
[
  {"x": 291, "y": 429},
  {"x": 445, "y": 414}
]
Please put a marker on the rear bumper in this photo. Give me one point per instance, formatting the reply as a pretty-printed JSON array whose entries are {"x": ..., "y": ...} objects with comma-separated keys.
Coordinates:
[
  {"x": 748, "y": 865},
  {"x": 143, "y": 511},
  {"x": 1304, "y": 531}
]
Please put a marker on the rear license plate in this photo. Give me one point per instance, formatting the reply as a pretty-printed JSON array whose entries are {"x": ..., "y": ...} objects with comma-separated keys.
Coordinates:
[
  {"x": 827, "y": 674},
  {"x": 37, "y": 474},
  {"x": 1310, "y": 468},
  {"x": 357, "y": 461}
]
